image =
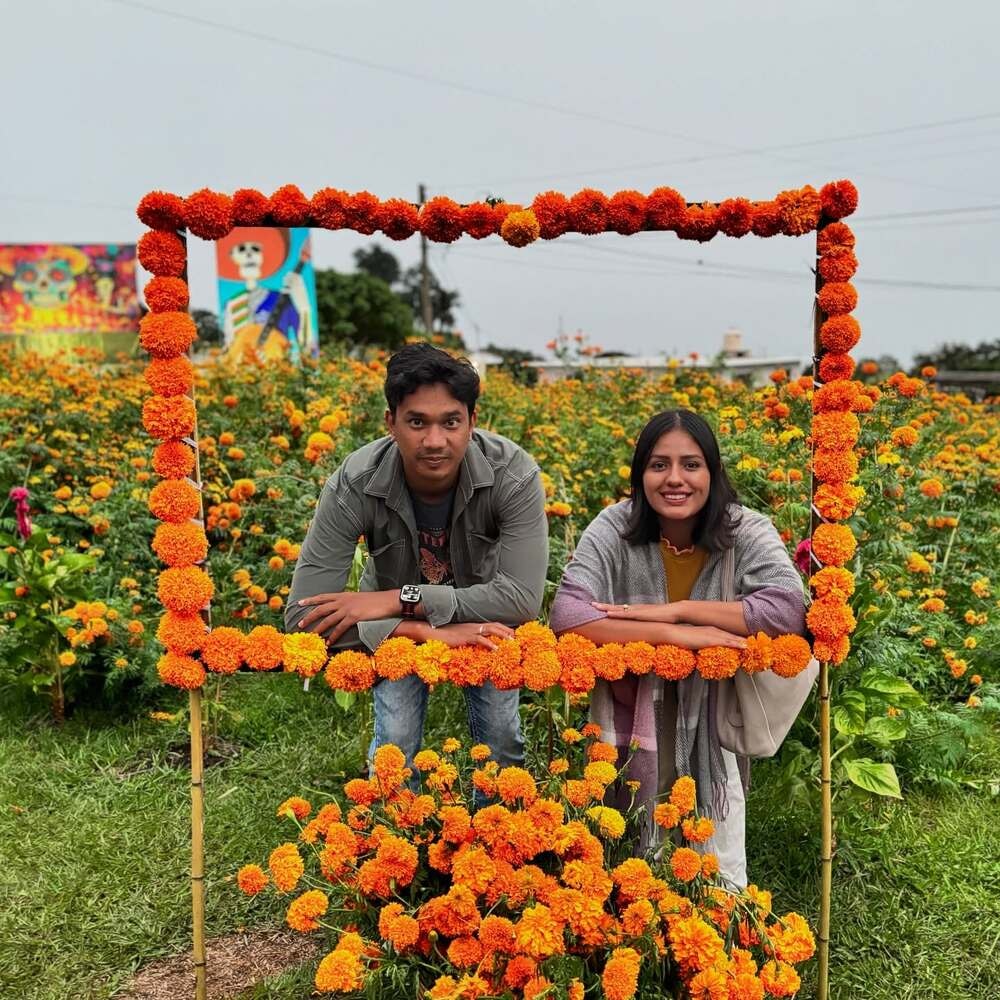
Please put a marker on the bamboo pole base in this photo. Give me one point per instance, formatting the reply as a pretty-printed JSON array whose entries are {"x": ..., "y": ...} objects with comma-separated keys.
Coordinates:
[{"x": 198, "y": 846}]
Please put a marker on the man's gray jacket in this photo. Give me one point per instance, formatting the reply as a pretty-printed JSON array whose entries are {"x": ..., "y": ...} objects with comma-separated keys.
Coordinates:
[{"x": 498, "y": 538}]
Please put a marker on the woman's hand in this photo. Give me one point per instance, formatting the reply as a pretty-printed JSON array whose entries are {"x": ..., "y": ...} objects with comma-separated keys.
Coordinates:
[
  {"x": 698, "y": 636},
  {"x": 485, "y": 634},
  {"x": 640, "y": 612}
]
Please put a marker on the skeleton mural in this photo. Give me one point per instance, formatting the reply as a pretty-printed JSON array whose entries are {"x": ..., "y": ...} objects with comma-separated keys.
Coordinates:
[
  {"x": 61, "y": 288},
  {"x": 267, "y": 294}
]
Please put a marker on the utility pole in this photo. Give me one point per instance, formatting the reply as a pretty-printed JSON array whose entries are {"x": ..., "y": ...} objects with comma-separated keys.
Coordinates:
[{"x": 425, "y": 282}]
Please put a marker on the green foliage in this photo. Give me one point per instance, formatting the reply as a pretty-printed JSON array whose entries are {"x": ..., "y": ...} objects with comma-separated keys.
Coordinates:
[
  {"x": 956, "y": 356},
  {"x": 360, "y": 310}
]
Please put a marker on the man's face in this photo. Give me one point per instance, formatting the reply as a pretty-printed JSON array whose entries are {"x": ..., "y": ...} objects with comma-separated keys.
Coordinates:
[{"x": 432, "y": 430}]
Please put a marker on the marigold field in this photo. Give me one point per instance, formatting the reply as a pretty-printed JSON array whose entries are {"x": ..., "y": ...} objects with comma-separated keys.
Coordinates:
[{"x": 915, "y": 703}]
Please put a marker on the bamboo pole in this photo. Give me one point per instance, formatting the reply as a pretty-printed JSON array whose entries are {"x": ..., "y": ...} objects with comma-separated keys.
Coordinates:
[
  {"x": 196, "y": 727},
  {"x": 826, "y": 800},
  {"x": 197, "y": 846}
]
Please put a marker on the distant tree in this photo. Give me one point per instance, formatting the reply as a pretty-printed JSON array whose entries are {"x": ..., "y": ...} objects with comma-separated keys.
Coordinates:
[
  {"x": 379, "y": 263},
  {"x": 984, "y": 357},
  {"x": 516, "y": 363},
  {"x": 358, "y": 309},
  {"x": 885, "y": 365},
  {"x": 209, "y": 328},
  {"x": 443, "y": 300}
]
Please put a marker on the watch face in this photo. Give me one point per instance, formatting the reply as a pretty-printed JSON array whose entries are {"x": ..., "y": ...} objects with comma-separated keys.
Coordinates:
[{"x": 409, "y": 594}]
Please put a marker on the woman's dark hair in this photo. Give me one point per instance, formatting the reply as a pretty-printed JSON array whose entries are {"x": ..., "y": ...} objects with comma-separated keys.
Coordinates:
[
  {"x": 421, "y": 364},
  {"x": 713, "y": 529}
]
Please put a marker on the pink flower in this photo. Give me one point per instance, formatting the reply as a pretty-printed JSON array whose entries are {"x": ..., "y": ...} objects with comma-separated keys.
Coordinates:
[
  {"x": 802, "y": 553},
  {"x": 19, "y": 494}
]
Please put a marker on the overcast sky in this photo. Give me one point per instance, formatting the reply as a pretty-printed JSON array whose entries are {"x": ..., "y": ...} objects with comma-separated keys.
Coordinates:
[{"x": 108, "y": 99}]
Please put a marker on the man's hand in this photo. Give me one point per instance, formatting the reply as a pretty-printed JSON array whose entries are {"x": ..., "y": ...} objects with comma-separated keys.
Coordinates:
[
  {"x": 640, "y": 612},
  {"x": 472, "y": 634},
  {"x": 699, "y": 636},
  {"x": 331, "y": 615}
]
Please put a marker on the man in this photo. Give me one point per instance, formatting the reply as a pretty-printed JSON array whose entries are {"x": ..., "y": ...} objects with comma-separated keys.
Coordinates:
[{"x": 454, "y": 521}]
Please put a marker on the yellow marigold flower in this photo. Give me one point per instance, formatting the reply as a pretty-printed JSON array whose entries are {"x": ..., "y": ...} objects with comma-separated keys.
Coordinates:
[
  {"x": 600, "y": 771},
  {"x": 916, "y": 563},
  {"x": 624, "y": 472},
  {"x": 304, "y": 653},
  {"x": 426, "y": 760},
  {"x": 695, "y": 944},
  {"x": 67, "y": 659},
  {"x": 450, "y": 745},
  {"x": 251, "y": 879},
  {"x": 302, "y": 913},
  {"x": 571, "y": 736},
  {"x": 779, "y": 979},
  {"x": 480, "y": 752},
  {"x": 698, "y": 830},
  {"x": 932, "y": 488},
  {"x": 559, "y": 766},
  {"x": 973, "y": 701},
  {"x": 538, "y": 934},
  {"x": 100, "y": 491},
  {"x": 340, "y": 972},
  {"x": 682, "y": 794},
  {"x": 933, "y": 605},
  {"x": 975, "y": 679},
  {"x": 980, "y": 587},
  {"x": 609, "y": 821}
]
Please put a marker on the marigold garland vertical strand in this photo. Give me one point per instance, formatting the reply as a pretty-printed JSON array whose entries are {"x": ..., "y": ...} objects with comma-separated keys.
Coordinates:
[{"x": 826, "y": 800}]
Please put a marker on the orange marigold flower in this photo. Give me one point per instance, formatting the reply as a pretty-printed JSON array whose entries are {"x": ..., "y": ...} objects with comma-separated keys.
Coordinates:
[
  {"x": 208, "y": 214},
  {"x": 757, "y": 655},
  {"x": 832, "y": 581},
  {"x": 718, "y": 662},
  {"x": 838, "y": 198},
  {"x": 393, "y": 866},
  {"x": 934, "y": 605},
  {"x": 168, "y": 334},
  {"x": 838, "y": 234},
  {"x": 504, "y": 665},
  {"x": 766, "y": 218},
  {"x": 700, "y": 222},
  {"x": 389, "y": 767},
  {"x": 626, "y": 212},
  {"x": 551, "y": 209},
  {"x": 576, "y": 654},
  {"x": 833, "y": 544},
  {"x": 184, "y": 589},
  {"x": 602, "y": 751},
  {"x": 497, "y": 936},
  {"x": 181, "y": 633},
  {"x": 834, "y": 465},
  {"x": 790, "y": 655},
  {"x": 837, "y": 501},
  {"x": 904, "y": 437},
  {"x": 837, "y": 396},
  {"x": 840, "y": 265},
  {"x": 932, "y": 488},
  {"x": 455, "y": 824},
  {"x": 832, "y": 650},
  {"x": 328, "y": 208},
  {"x": 637, "y": 916},
  {"x": 709, "y": 865},
  {"x": 362, "y": 210},
  {"x": 520, "y": 228},
  {"x": 168, "y": 417},
  {"x": 633, "y": 878},
  {"x": 837, "y": 298},
  {"x": 251, "y": 879},
  {"x": 800, "y": 210},
  {"x": 683, "y": 794},
  {"x": 264, "y": 648},
  {"x": 587, "y": 211},
  {"x": 713, "y": 984},
  {"x": 397, "y": 218},
  {"x": 302, "y": 913},
  {"x": 340, "y": 972},
  {"x": 223, "y": 650},
  {"x": 430, "y": 661},
  {"x": 174, "y": 460},
  {"x": 667, "y": 815},
  {"x": 472, "y": 867},
  {"x": 600, "y": 771},
  {"x": 480, "y": 752},
  {"x": 162, "y": 254},
  {"x": 620, "y": 977},
  {"x": 829, "y": 618},
  {"x": 169, "y": 377},
  {"x": 673, "y": 663},
  {"x": 685, "y": 863},
  {"x": 695, "y": 944},
  {"x": 833, "y": 366},
  {"x": 180, "y": 671},
  {"x": 180, "y": 544},
  {"x": 735, "y": 216},
  {"x": 698, "y": 830},
  {"x": 608, "y": 661},
  {"x": 467, "y": 666},
  {"x": 174, "y": 501},
  {"x": 394, "y": 658},
  {"x": 538, "y": 933},
  {"x": 304, "y": 653},
  {"x": 665, "y": 208},
  {"x": 591, "y": 730},
  {"x": 792, "y": 939},
  {"x": 542, "y": 669},
  {"x": 295, "y": 806},
  {"x": 350, "y": 671},
  {"x": 285, "y": 864},
  {"x": 465, "y": 952},
  {"x": 835, "y": 431},
  {"x": 288, "y": 206},
  {"x": 164, "y": 294},
  {"x": 639, "y": 656},
  {"x": 161, "y": 210},
  {"x": 840, "y": 333},
  {"x": 441, "y": 220},
  {"x": 516, "y": 784},
  {"x": 779, "y": 979}
]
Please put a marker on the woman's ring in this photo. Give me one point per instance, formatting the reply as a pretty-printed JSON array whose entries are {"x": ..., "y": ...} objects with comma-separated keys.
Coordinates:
[
  {"x": 624, "y": 607},
  {"x": 480, "y": 629}
]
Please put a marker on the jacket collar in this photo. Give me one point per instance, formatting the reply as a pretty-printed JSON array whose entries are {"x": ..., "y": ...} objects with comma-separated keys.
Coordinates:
[{"x": 389, "y": 483}]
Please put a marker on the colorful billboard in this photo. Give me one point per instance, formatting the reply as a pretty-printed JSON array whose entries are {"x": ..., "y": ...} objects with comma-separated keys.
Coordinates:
[
  {"x": 63, "y": 288},
  {"x": 267, "y": 295}
]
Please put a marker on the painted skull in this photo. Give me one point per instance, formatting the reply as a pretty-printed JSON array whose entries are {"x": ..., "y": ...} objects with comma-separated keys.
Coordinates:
[
  {"x": 249, "y": 259},
  {"x": 45, "y": 283}
]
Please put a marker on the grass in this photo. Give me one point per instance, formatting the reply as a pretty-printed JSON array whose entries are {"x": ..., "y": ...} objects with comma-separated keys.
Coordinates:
[{"x": 94, "y": 853}]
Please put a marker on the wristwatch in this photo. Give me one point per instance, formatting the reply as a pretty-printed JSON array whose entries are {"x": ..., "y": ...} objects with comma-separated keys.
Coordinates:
[{"x": 409, "y": 598}]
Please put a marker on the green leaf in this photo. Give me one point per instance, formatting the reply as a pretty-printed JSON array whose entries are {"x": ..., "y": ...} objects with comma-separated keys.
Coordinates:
[
  {"x": 345, "y": 699},
  {"x": 891, "y": 688},
  {"x": 849, "y": 713},
  {"x": 883, "y": 729},
  {"x": 879, "y": 779}
]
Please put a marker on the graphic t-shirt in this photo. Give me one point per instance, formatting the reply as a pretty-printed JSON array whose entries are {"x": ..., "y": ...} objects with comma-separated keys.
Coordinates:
[{"x": 433, "y": 527}]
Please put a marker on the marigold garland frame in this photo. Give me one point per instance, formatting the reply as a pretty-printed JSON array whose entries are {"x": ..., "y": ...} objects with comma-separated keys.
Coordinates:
[{"x": 170, "y": 416}]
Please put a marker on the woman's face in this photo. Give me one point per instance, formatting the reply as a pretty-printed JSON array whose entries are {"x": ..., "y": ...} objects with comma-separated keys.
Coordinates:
[{"x": 676, "y": 480}]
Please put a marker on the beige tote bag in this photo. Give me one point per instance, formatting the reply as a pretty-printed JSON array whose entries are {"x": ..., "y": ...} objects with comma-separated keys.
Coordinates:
[{"x": 754, "y": 712}]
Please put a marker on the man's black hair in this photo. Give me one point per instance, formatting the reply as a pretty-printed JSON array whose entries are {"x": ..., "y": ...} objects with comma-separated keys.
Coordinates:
[
  {"x": 420, "y": 364},
  {"x": 714, "y": 527}
]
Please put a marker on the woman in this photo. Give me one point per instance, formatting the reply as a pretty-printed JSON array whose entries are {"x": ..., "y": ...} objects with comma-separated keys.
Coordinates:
[{"x": 653, "y": 568}]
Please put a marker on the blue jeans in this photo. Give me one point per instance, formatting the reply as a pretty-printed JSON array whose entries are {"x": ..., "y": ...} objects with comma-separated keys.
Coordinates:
[{"x": 494, "y": 718}]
